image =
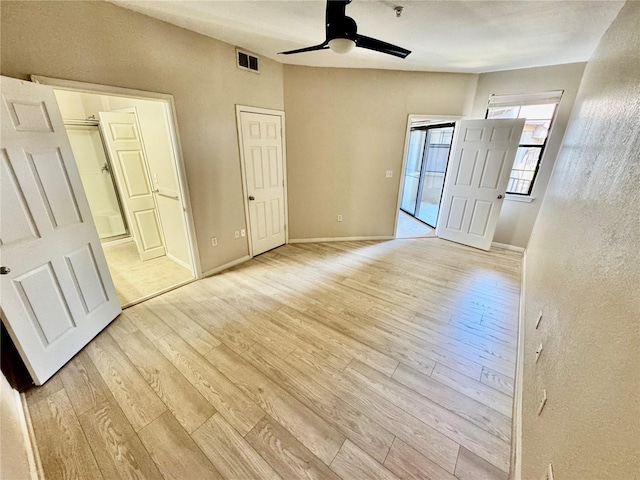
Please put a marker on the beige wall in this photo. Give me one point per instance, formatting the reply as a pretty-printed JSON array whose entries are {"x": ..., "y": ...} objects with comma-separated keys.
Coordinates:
[
  {"x": 345, "y": 128},
  {"x": 14, "y": 462},
  {"x": 517, "y": 218},
  {"x": 583, "y": 272},
  {"x": 100, "y": 43}
]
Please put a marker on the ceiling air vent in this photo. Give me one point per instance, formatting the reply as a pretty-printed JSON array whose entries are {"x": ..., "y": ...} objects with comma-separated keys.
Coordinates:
[{"x": 246, "y": 61}]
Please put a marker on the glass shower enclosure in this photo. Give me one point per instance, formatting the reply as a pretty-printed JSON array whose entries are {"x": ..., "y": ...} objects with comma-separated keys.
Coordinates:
[
  {"x": 97, "y": 179},
  {"x": 426, "y": 165}
]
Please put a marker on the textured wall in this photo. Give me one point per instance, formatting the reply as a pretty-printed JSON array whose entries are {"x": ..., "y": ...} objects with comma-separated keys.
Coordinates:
[
  {"x": 583, "y": 271},
  {"x": 14, "y": 459},
  {"x": 517, "y": 218},
  {"x": 101, "y": 43},
  {"x": 345, "y": 128}
]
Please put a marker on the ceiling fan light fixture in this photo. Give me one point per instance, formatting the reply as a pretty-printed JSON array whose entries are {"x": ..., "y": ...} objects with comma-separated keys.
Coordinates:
[{"x": 342, "y": 45}]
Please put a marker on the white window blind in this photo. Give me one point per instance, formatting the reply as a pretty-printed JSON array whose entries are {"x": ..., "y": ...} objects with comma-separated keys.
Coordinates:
[{"x": 511, "y": 100}]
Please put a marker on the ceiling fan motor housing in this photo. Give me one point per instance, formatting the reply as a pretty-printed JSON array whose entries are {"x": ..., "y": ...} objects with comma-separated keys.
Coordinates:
[{"x": 344, "y": 27}]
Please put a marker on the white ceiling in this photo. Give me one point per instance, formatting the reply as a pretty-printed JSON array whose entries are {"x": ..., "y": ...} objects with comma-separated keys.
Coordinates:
[{"x": 444, "y": 35}]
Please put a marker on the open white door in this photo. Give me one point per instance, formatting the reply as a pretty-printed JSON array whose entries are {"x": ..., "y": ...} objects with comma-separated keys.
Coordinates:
[
  {"x": 122, "y": 138},
  {"x": 263, "y": 167},
  {"x": 57, "y": 293},
  {"x": 479, "y": 165}
]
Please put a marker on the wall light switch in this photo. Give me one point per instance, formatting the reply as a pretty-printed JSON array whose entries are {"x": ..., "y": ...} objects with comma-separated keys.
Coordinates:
[
  {"x": 539, "y": 319},
  {"x": 543, "y": 402},
  {"x": 236, "y": 234},
  {"x": 389, "y": 174},
  {"x": 214, "y": 241},
  {"x": 339, "y": 218},
  {"x": 243, "y": 233},
  {"x": 538, "y": 352}
]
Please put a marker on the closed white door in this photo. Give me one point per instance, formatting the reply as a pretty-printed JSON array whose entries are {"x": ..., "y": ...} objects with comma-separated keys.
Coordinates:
[
  {"x": 476, "y": 181},
  {"x": 263, "y": 167},
  {"x": 57, "y": 293},
  {"x": 122, "y": 138}
]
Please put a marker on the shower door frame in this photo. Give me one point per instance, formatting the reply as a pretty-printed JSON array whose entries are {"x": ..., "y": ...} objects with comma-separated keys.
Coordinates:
[{"x": 96, "y": 124}]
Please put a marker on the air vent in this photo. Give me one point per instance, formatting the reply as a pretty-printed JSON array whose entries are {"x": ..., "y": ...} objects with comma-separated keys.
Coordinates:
[{"x": 246, "y": 61}]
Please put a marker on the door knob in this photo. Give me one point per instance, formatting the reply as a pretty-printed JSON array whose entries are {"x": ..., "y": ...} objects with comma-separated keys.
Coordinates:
[
  {"x": 499, "y": 197},
  {"x": 251, "y": 197},
  {"x": 4, "y": 270}
]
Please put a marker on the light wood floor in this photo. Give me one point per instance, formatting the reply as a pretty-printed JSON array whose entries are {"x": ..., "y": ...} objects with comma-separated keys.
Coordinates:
[
  {"x": 135, "y": 279},
  {"x": 354, "y": 360},
  {"x": 409, "y": 227}
]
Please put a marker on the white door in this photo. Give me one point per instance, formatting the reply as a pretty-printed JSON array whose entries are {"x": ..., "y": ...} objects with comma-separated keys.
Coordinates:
[
  {"x": 57, "y": 294},
  {"x": 122, "y": 138},
  {"x": 263, "y": 168},
  {"x": 479, "y": 165}
]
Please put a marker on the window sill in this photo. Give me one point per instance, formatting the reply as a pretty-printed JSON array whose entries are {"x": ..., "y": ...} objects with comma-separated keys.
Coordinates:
[{"x": 519, "y": 198}]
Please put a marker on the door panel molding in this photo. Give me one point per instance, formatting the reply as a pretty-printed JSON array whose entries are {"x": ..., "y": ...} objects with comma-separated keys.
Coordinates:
[
  {"x": 263, "y": 162},
  {"x": 132, "y": 174},
  {"x": 58, "y": 294},
  {"x": 482, "y": 153}
]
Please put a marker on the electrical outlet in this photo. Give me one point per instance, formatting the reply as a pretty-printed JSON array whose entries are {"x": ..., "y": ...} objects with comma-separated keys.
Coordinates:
[
  {"x": 214, "y": 241},
  {"x": 236, "y": 234},
  {"x": 539, "y": 319},
  {"x": 243, "y": 233},
  {"x": 543, "y": 402},
  {"x": 389, "y": 174},
  {"x": 538, "y": 352},
  {"x": 339, "y": 218},
  {"x": 548, "y": 475}
]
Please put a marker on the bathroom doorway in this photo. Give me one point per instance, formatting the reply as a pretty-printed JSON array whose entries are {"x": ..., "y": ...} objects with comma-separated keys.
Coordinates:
[{"x": 126, "y": 159}]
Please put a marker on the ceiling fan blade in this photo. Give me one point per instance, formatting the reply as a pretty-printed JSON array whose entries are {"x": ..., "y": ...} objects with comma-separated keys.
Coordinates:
[
  {"x": 322, "y": 46},
  {"x": 380, "y": 46}
]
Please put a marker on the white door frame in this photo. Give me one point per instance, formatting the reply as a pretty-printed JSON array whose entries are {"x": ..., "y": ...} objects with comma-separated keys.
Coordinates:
[
  {"x": 170, "y": 112},
  {"x": 263, "y": 111},
  {"x": 412, "y": 118}
]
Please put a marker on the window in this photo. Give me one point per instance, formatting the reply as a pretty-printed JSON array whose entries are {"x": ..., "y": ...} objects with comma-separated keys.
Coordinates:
[{"x": 539, "y": 111}]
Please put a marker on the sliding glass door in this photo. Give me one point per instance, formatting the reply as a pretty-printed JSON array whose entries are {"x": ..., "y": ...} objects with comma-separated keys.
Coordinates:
[{"x": 427, "y": 158}]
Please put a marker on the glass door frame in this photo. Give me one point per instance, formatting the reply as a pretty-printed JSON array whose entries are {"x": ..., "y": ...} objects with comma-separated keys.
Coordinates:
[
  {"x": 109, "y": 169},
  {"x": 423, "y": 166}
]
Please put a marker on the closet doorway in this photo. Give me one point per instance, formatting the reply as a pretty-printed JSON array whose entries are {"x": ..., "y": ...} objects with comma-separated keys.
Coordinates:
[
  {"x": 426, "y": 162},
  {"x": 127, "y": 159}
]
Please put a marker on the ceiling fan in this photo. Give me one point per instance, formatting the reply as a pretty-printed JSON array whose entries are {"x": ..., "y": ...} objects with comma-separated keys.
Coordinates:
[{"x": 342, "y": 34}]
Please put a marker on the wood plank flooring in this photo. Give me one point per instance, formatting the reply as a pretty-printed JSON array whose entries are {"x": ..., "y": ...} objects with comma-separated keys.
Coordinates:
[
  {"x": 135, "y": 279},
  {"x": 349, "y": 360}
]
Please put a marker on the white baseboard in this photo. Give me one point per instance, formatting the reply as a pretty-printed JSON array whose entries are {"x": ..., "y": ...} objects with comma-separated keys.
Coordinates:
[
  {"x": 506, "y": 246},
  {"x": 182, "y": 263},
  {"x": 337, "y": 239},
  {"x": 120, "y": 241},
  {"x": 213, "y": 271},
  {"x": 516, "y": 430},
  {"x": 33, "y": 455}
]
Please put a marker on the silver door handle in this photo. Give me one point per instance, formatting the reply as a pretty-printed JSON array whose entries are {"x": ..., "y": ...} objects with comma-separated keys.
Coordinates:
[
  {"x": 4, "y": 270},
  {"x": 499, "y": 197}
]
